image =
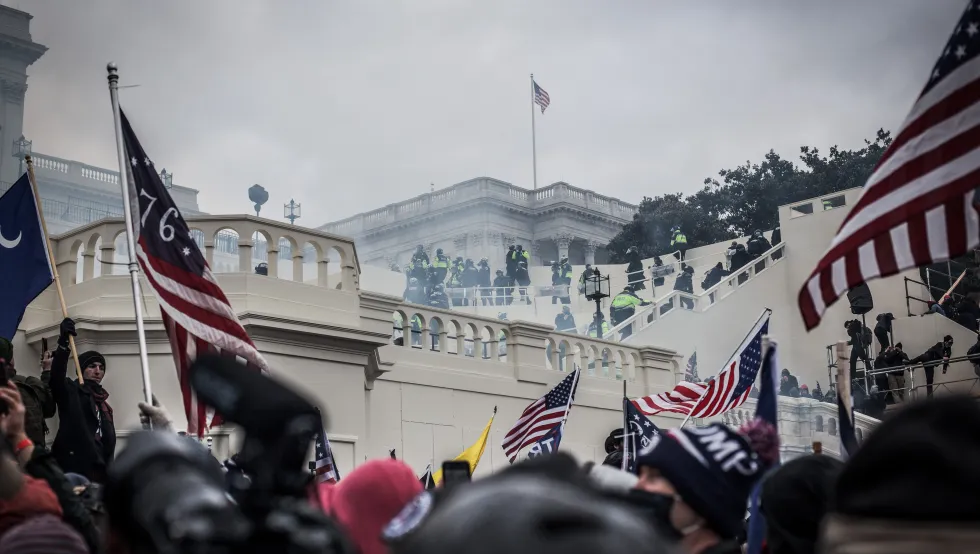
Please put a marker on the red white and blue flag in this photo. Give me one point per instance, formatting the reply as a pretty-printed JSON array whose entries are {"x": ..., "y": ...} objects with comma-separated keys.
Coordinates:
[
  {"x": 541, "y": 417},
  {"x": 326, "y": 468},
  {"x": 919, "y": 205},
  {"x": 541, "y": 97},
  {"x": 195, "y": 312},
  {"x": 729, "y": 389}
]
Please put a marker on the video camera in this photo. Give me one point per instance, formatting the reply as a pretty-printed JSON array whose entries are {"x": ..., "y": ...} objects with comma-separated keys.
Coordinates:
[{"x": 166, "y": 494}]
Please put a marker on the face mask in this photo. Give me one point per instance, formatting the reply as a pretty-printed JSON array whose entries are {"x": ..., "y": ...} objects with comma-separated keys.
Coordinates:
[{"x": 657, "y": 507}]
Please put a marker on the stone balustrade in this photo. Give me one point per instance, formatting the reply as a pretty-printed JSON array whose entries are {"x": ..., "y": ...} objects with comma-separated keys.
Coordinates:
[
  {"x": 528, "y": 351},
  {"x": 231, "y": 234},
  {"x": 485, "y": 187}
]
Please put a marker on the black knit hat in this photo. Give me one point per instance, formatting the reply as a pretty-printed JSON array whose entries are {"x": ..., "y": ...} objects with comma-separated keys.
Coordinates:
[
  {"x": 86, "y": 358},
  {"x": 713, "y": 469},
  {"x": 919, "y": 465}
]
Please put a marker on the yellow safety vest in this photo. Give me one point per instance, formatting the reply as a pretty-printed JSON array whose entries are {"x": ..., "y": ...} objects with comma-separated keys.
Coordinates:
[
  {"x": 605, "y": 329},
  {"x": 441, "y": 262},
  {"x": 624, "y": 300},
  {"x": 679, "y": 238}
]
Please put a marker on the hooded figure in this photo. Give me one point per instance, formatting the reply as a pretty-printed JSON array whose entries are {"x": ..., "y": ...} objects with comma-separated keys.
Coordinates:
[
  {"x": 795, "y": 498},
  {"x": 483, "y": 281},
  {"x": 634, "y": 270},
  {"x": 86, "y": 440},
  {"x": 758, "y": 245},
  {"x": 564, "y": 321},
  {"x": 502, "y": 289},
  {"x": 714, "y": 276}
]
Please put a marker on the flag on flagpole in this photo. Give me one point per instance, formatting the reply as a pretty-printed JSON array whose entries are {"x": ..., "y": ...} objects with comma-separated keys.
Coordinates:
[
  {"x": 845, "y": 409},
  {"x": 547, "y": 444},
  {"x": 541, "y": 97},
  {"x": 196, "y": 313},
  {"x": 765, "y": 414},
  {"x": 639, "y": 434},
  {"x": 919, "y": 205},
  {"x": 25, "y": 269},
  {"x": 541, "y": 416},
  {"x": 473, "y": 453},
  {"x": 691, "y": 371},
  {"x": 426, "y": 479},
  {"x": 326, "y": 466},
  {"x": 728, "y": 390}
]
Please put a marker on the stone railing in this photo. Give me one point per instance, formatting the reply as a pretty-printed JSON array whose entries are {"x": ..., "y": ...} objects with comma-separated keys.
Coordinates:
[
  {"x": 801, "y": 421},
  {"x": 484, "y": 187},
  {"x": 62, "y": 169},
  {"x": 665, "y": 305},
  {"x": 231, "y": 234},
  {"x": 529, "y": 348}
]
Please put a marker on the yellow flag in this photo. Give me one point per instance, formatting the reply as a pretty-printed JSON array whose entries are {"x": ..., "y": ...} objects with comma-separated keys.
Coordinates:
[{"x": 471, "y": 454}]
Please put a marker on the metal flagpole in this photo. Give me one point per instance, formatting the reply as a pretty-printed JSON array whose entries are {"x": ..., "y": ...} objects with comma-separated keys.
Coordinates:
[
  {"x": 568, "y": 407},
  {"x": 700, "y": 398},
  {"x": 51, "y": 261},
  {"x": 534, "y": 140},
  {"x": 134, "y": 268},
  {"x": 626, "y": 423}
]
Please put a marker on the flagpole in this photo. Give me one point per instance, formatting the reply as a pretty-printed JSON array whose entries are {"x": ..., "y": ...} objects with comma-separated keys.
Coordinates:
[
  {"x": 51, "y": 261},
  {"x": 534, "y": 140},
  {"x": 113, "y": 76},
  {"x": 625, "y": 464},
  {"x": 700, "y": 398},
  {"x": 568, "y": 407}
]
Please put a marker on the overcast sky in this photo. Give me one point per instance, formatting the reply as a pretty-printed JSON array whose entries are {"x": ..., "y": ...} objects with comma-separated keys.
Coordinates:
[{"x": 347, "y": 106}]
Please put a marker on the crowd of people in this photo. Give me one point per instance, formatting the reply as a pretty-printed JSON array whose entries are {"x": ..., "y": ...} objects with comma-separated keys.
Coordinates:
[{"x": 687, "y": 491}]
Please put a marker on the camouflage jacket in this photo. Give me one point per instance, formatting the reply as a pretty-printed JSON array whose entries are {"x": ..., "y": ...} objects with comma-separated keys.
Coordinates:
[{"x": 38, "y": 403}]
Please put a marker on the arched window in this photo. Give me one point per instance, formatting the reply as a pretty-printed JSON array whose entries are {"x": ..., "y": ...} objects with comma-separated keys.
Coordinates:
[
  {"x": 819, "y": 424},
  {"x": 832, "y": 426}
]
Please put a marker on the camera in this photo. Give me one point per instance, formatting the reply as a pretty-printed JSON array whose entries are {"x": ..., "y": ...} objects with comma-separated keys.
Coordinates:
[{"x": 167, "y": 494}]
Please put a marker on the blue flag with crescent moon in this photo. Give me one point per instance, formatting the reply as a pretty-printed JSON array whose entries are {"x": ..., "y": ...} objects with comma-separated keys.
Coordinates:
[{"x": 25, "y": 270}]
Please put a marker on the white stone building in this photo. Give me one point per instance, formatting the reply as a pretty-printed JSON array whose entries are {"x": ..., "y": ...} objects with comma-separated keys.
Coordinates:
[{"x": 483, "y": 216}]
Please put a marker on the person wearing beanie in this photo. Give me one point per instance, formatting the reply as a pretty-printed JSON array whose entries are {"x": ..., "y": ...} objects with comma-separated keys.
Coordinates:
[
  {"x": 794, "y": 500},
  {"x": 367, "y": 499},
  {"x": 913, "y": 485},
  {"x": 45, "y": 534},
  {"x": 695, "y": 484},
  {"x": 38, "y": 402},
  {"x": 86, "y": 440}
]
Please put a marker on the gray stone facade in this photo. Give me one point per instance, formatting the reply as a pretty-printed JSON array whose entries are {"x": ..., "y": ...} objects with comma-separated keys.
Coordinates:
[{"x": 483, "y": 216}]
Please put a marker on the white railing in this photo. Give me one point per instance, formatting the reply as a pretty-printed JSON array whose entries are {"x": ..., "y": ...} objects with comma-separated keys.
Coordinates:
[
  {"x": 665, "y": 305},
  {"x": 52, "y": 164}
]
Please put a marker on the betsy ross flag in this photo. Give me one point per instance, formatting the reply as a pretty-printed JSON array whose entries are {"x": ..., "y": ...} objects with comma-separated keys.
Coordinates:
[
  {"x": 326, "y": 467},
  {"x": 195, "y": 312},
  {"x": 919, "y": 205},
  {"x": 541, "y": 417},
  {"x": 541, "y": 97},
  {"x": 728, "y": 390}
]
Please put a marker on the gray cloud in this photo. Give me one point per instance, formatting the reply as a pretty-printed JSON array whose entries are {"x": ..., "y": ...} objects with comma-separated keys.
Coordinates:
[{"x": 347, "y": 106}]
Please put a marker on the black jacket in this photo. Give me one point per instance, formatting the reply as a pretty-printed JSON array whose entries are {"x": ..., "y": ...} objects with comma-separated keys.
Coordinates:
[
  {"x": 522, "y": 277},
  {"x": 714, "y": 276},
  {"x": 757, "y": 246},
  {"x": 42, "y": 465},
  {"x": 967, "y": 313},
  {"x": 75, "y": 447},
  {"x": 740, "y": 258},
  {"x": 439, "y": 300},
  {"x": 884, "y": 322},
  {"x": 684, "y": 283},
  {"x": 565, "y": 323},
  {"x": 634, "y": 270},
  {"x": 483, "y": 278},
  {"x": 932, "y": 357}
]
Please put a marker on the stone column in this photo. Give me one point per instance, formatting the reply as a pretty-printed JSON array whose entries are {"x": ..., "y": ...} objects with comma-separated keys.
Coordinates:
[
  {"x": 245, "y": 255},
  {"x": 298, "y": 265},
  {"x": 526, "y": 351},
  {"x": 563, "y": 240},
  {"x": 108, "y": 257},
  {"x": 590, "y": 248}
]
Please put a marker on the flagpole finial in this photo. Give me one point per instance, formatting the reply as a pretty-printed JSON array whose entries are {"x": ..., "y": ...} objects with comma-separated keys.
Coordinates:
[
  {"x": 113, "y": 70},
  {"x": 495, "y": 410}
]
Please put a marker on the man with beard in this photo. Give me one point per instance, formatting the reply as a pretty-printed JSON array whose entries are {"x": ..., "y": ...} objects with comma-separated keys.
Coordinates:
[{"x": 86, "y": 440}]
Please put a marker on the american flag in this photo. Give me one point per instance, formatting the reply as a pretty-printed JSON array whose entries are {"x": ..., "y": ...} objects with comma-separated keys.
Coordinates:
[
  {"x": 543, "y": 415},
  {"x": 195, "y": 312},
  {"x": 541, "y": 97},
  {"x": 919, "y": 204},
  {"x": 691, "y": 372},
  {"x": 726, "y": 391},
  {"x": 326, "y": 467}
]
